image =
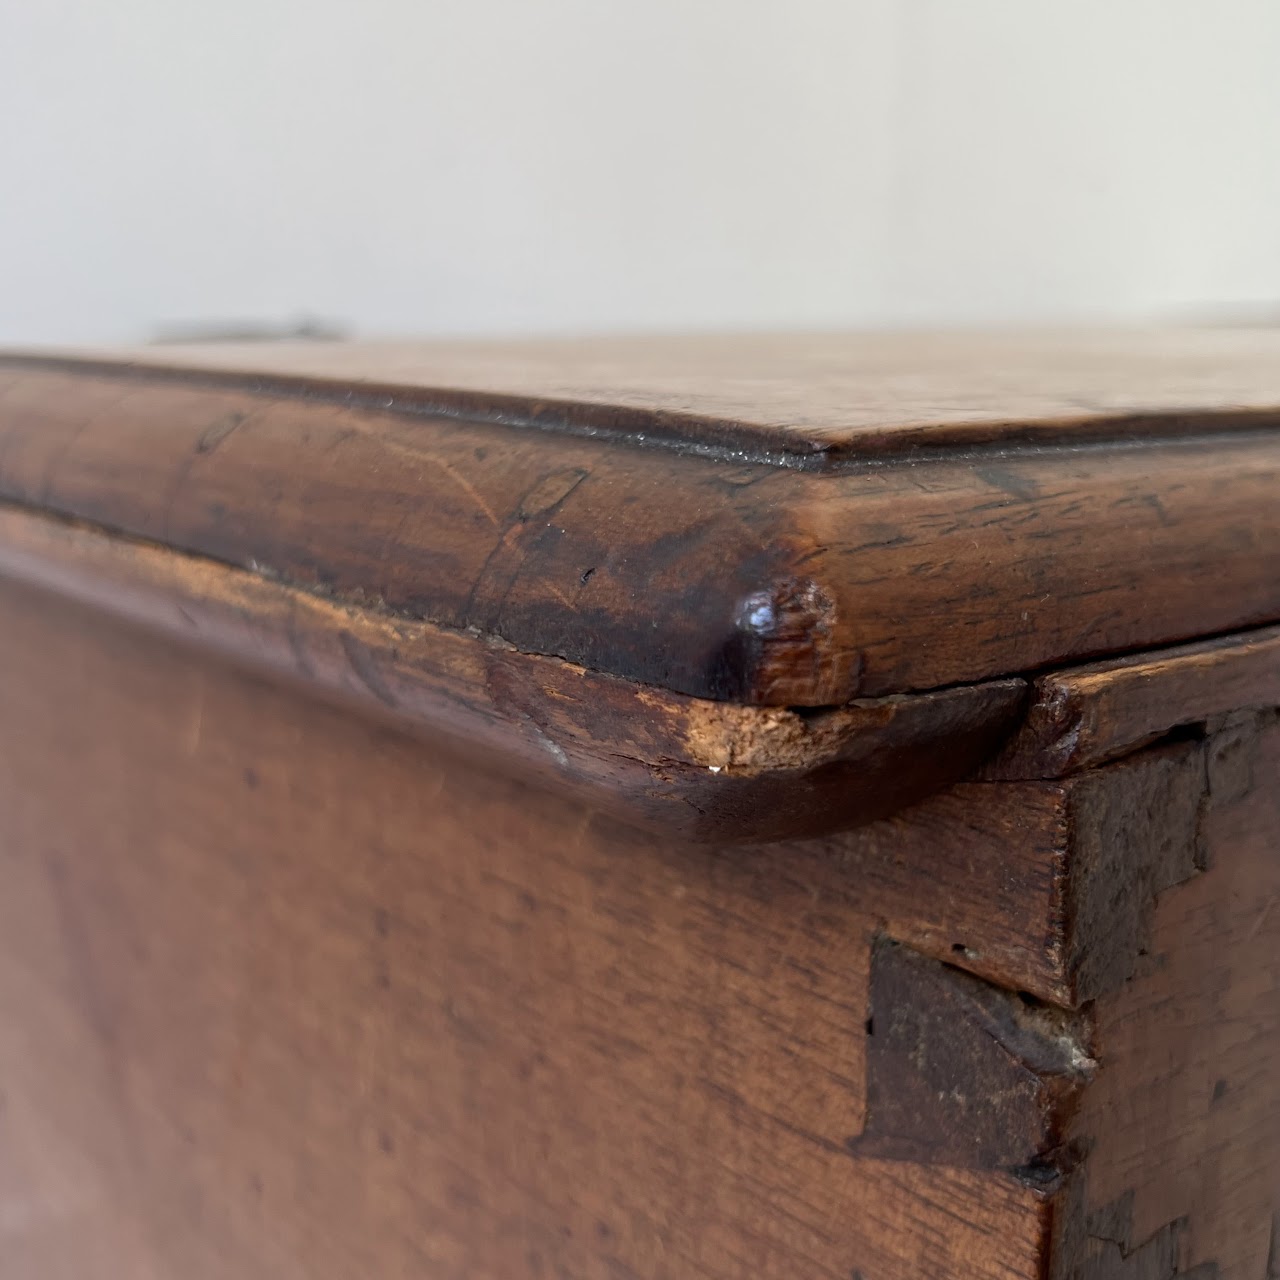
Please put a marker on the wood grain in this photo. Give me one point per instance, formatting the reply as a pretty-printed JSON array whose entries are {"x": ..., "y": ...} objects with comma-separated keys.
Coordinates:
[
  {"x": 1085, "y": 715},
  {"x": 1149, "y": 1115},
  {"x": 715, "y": 576},
  {"x": 964, "y": 1074},
  {"x": 1182, "y": 1123},
  {"x": 1040, "y": 887},
  {"x": 809, "y": 399},
  {"x": 299, "y": 978},
  {"x": 711, "y": 771},
  {"x": 286, "y": 994}
]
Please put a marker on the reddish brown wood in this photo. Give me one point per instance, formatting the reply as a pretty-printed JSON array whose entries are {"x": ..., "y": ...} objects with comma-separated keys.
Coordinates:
[
  {"x": 1085, "y": 715},
  {"x": 964, "y": 1074},
  {"x": 299, "y": 978},
  {"x": 1181, "y": 1126},
  {"x": 709, "y": 770},
  {"x": 715, "y": 573},
  {"x": 1040, "y": 887},
  {"x": 259, "y": 958},
  {"x": 286, "y": 994},
  {"x": 807, "y": 399},
  {"x": 1149, "y": 1117}
]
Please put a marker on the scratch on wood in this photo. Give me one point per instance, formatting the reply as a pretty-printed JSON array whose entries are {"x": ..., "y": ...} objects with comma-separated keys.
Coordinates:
[
  {"x": 469, "y": 489},
  {"x": 212, "y": 436},
  {"x": 195, "y": 727},
  {"x": 1261, "y": 920},
  {"x": 550, "y": 492},
  {"x": 366, "y": 671}
]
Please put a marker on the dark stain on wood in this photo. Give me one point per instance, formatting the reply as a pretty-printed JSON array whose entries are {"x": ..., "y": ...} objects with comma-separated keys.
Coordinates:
[
  {"x": 961, "y": 1072},
  {"x": 1136, "y": 832}
]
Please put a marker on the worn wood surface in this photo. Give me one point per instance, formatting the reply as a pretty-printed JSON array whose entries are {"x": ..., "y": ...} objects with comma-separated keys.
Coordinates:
[
  {"x": 1149, "y": 1113},
  {"x": 716, "y": 572},
  {"x": 813, "y": 399},
  {"x": 1180, "y": 1128},
  {"x": 299, "y": 978},
  {"x": 283, "y": 993},
  {"x": 1041, "y": 887},
  {"x": 712, "y": 771},
  {"x": 1084, "y": 715}
]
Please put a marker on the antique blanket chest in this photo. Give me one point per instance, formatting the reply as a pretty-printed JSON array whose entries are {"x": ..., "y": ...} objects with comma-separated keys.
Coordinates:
[{"x": 661, "y": 810}]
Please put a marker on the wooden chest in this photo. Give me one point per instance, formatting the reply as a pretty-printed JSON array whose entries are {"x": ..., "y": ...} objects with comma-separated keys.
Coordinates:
[{"x": 668, "y": 810}]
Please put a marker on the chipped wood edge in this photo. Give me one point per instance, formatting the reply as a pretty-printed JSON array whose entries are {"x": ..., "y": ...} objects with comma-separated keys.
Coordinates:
[
  {"x": 1083, "y": 716},
  {"x": 766, "y": 586},
  {"x": 707, "y": 770}
]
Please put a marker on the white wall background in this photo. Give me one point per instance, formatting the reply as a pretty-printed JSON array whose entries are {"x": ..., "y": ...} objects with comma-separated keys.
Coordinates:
[{"x": 450, "y": 166}]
